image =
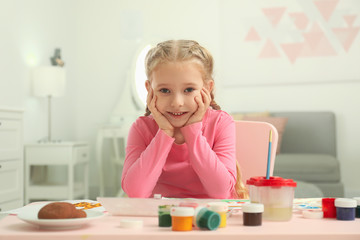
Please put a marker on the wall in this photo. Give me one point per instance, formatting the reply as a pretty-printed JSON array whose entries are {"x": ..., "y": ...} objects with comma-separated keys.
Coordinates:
[
  {"x": 30, "y": 31},
  {"x": 99, "y": 40},
  {"x": 307, "y": 66}
]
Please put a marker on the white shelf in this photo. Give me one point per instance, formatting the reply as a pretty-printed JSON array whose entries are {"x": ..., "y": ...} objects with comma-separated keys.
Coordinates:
[{"x": 70, "y": 154}]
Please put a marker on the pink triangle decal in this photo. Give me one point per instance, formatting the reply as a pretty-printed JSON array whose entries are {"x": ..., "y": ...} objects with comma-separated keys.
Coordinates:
[
  {"x": 324, "y": 48},
  {"x": 252, "y": 35},
  {"x": 269, "y": 50},
  {"x": 326, "y": 7},
  {"x": 300, "y": 20},
  {"x": 350, "y": 19},
  {"x": 274, "y": 14},
  {"x": 316, "y": 43},
  {"x": 346, "y": 36},
  {"x": 315, "y": 28},
  {"x": 312, "y": 39},
  {"x": 292, "y": 50},
  {"x": 313, "y": 36}
]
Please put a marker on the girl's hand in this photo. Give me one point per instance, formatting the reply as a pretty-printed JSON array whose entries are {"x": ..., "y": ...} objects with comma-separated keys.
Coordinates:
[
  {"x": 203, "y": 103},
  {"x": 160, "y": 119}
]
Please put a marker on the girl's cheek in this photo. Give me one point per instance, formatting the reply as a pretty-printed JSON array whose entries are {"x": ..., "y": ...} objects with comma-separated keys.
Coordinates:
[
  {"x": 199, "y": 95},
  {"x": 191, "y": 101},
  {"x": 160, "y": 101}
]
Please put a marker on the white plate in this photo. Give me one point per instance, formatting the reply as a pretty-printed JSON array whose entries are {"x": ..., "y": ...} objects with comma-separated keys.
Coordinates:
[{"x": 30, "y": 216}]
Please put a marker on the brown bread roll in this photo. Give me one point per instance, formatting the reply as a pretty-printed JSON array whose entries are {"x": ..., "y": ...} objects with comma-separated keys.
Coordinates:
[{"x": 60, "y": 210}]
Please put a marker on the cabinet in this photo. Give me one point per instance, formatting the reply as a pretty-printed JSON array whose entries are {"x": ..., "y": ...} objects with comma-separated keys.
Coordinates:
[
  {"x": 73, "y": 155},
  {"x": 11, "y": 160}
]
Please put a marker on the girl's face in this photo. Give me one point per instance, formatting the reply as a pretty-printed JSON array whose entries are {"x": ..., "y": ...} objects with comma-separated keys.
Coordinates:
[{"x": 176, "y": 84}]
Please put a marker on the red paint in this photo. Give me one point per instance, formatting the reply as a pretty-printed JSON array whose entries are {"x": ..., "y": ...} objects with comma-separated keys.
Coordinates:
[{"x": 328, "y": 207}]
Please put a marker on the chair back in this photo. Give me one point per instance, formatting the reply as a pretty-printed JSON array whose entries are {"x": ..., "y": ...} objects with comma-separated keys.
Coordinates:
[{"x": 252, "y": 144}]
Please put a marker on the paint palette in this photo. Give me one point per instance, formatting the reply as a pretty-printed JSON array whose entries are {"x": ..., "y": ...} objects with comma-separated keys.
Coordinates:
[{"x": 149, "y": 206}]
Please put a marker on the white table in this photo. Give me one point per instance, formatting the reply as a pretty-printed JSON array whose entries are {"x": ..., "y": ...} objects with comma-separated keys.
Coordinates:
[
  {"x": 69, "y": 154},
  {"x": 108, "y": 228}
]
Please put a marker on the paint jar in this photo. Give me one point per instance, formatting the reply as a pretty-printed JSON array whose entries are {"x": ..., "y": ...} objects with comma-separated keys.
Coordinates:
[
  {"x": 328, "y": 207},
  {"x": 189, "y": 204},
  {"x": 252, "y": 214},
  {"x": 164, "y": 215},
  {"x": 181, "y": 218},
  {"x": 345, "y": 209},
  {"x": 206, "y": 219},
  {"x": 221, "y": 208},
  {"x": 358, "y": 207},
  {"x": 277, "y": 195}
]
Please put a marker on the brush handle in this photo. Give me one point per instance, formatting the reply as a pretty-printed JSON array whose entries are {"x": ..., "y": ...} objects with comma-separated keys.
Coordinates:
[{"x": 269, "y": 157}]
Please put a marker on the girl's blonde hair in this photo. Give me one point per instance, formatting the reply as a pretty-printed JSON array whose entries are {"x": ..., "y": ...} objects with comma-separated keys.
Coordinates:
[
  {"x": 186, "y": 50},
  {"x": 240, "y": 191}
]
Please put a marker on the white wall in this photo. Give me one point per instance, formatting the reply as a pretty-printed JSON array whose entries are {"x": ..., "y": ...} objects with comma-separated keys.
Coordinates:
[
  {"x": 99, "y": 40},
  {"x": 30, "y": 32}
]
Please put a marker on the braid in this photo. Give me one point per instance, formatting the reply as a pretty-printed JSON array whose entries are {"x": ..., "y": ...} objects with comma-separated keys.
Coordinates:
[
  {"x": 147, "y": 111},
  {"x": 213, "y": 104}
]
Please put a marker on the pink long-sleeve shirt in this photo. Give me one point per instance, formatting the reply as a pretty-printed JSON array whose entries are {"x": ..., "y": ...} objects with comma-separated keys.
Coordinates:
[{"x": 202, "y": 167}]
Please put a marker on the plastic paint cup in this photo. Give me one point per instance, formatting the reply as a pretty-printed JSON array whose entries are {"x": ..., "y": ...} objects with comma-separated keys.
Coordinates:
[
  {"x": 277, "y": 195},
  {"x": 206, "y": 219},
  {"x": 252, "y": 214},
  {"x": 221, "y": 208},
  {"x": 345, "y": 209},
  {"x": 328, "y": 207},
  {"x": 181, "y": 218},
  {"x": 358, "y": 207},
  {"x": 164, "y": 215}
]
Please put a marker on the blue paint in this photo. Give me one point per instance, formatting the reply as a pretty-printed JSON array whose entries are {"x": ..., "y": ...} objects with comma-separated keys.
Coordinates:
[
  {"x": 345, "y": 209},
  {"x": 345, "y": 214}
]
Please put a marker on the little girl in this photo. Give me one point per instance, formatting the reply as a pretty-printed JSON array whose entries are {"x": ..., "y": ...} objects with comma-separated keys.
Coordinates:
[{"x": 181, "y": 148}]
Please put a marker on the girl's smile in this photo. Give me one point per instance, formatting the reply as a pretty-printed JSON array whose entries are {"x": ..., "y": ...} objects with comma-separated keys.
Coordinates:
[{"x": 177, "y": 115}]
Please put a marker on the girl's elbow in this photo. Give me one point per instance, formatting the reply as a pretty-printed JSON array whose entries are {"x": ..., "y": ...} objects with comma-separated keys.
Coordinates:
[
  {"x": 220, "y": 194},
  {"x": 135, "y": 192}
]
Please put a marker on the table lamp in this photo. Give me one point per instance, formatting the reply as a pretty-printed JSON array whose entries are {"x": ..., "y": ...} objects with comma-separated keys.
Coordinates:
[{"x": 49, "y": 81}]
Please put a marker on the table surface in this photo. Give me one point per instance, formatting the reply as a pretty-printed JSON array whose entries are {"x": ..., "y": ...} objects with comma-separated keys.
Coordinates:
[{"x": 108, "y": 227}]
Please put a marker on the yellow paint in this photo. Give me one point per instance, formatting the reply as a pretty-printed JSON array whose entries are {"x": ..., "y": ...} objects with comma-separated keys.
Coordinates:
[{"x": 222, "y": 219}]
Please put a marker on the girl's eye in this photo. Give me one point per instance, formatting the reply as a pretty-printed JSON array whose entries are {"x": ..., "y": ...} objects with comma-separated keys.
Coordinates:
[
  {"x": 188, "y": 90},
  {"x": 164, "y": 90}
]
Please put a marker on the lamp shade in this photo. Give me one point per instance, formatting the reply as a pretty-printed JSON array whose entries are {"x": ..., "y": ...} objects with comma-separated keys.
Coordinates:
[{"x": 49, "y": 81}]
